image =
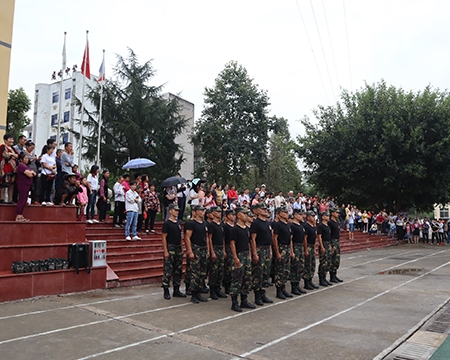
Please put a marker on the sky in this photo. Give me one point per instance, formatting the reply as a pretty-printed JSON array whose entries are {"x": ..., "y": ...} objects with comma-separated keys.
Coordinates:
[{"x": 302, "y": 52}]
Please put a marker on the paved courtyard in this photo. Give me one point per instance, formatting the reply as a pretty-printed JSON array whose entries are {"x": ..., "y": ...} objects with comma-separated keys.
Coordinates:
[{"x": 386, "y": 294}]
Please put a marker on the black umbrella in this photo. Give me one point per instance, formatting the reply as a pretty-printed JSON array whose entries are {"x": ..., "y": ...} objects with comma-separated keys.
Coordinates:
[{"x": 173, "y": 180}]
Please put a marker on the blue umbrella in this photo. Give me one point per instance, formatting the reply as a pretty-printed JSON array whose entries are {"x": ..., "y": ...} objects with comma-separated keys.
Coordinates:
[{"x": 139, "y": 163}]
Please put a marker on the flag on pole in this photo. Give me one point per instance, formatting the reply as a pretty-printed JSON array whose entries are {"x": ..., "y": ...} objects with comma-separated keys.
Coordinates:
[
  {"x": 85, "y": 68},
  {"x": 101, "y": 71}
]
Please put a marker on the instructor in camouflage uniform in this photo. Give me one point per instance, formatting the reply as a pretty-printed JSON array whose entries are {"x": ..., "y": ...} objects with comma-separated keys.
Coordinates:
[
  {"x": 324, "y": 239},
  {"x": 335, "y": 248}
]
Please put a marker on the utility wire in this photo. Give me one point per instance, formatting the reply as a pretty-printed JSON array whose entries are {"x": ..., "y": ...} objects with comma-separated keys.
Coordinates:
[
  {"x": 331, "y": 43},
  {"x": 312, "y": 50},
  {"x": 323, "y": 51},
  {"x": 348, "y": 48}
]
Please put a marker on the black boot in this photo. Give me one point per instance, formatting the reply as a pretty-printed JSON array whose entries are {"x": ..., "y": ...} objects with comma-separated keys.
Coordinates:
[
  {"x": 194, "y": 297},
  {"x": 212, "y": 292},
  {"x": 201, "y": 298},
  {"x": 313, "y": 285},
  {"x": 300, "y": 289},
  {"x": 285, "y": 292},
  {"x": 322, "y": 281},
  {"x": 227, "y": 288},
  {"x": 234, "y": 304},
  {"x": 204, "y": 290},
  {"x": 166, "y": 294},
  {"x": 219, "y": 293},
  {"x": 177, "y": 292},
  {"x": 340, "y": 280},
  {"x": 258, "y": 300},
  {"x": 188, "y": 290},
  {"x": 333, "y": 278},
  {"x": 325, "y": 279},
  {"x": 264, "y": 298},
  {"x": 245, "y": 304},
  {"x": 308, "y": 286},
  {"x": 280, "y": 294},
  {"x": 295, "y": 289}
]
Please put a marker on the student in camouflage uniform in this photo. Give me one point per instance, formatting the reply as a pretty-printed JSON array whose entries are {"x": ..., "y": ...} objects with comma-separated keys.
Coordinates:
[
  {"x": 216, "y": 259},
  {"x": 298, "y": 260},
  {"x": 335, "y": 249},
  {"x": 282, "y": 246},
  {"x": 309, "y": 245},
  {"x": 241, "y": 282},
  {"x": 197, "y": 251},
  {"x": 228, "y": 225},
  {"x": 324, "y": 239},
  {"x": 173, "y": 253}
]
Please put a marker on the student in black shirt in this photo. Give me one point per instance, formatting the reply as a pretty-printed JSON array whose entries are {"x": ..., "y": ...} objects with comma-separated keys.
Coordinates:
[
  {"x": 197, "y": 250},
  {"x": 335, "y": 249},
  {"x": 241, "y": 282},
  {"x": 324, "y": 238},
  {"x": 282, "y": 246},
  {"x": 298, "y": 260},
  {"x": 228, "y": 224},
  {"x": 216, "y": 259},
  {"x": 309, "y": 244},
  {"x": 173, "y": 253}
]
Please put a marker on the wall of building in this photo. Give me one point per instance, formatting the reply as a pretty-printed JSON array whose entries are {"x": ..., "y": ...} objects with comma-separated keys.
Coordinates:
[{"x": 6, "y": 29}]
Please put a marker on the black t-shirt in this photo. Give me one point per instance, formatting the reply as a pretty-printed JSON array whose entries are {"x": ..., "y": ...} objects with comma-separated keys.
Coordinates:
[
  {"x": 311, "y": 233},
  {"x": 173, "y": 231},
  {"x": 217, "y": 233},
  {"x": 227, "y": 233},
  {"x": 263, "y": 232},
  {"x": 283, "y": 231},
  {"x": 241, "y": 237},
  {"x": 199, "y": 231},
  {"x": 298, "y": 233},
  {"x": 325, "y": 231},
  {"x": 334, "y": 227}
]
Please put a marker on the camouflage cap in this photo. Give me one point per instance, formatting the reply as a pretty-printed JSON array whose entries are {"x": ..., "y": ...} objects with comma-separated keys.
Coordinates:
[
  {"x": 216, "y": 208},
  {"x": 241, "y": 209},
  {"x": 198, "y": 207},
  {"x": 174, "y": 207},
  {"x": 310, "y": 213}
]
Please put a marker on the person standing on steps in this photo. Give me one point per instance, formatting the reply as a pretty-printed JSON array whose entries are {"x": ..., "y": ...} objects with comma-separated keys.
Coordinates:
[
  {"x": 241, "y": 282},
  {"x": 132, "y": 201},
  {"x": 335, "y": 248},
  {"x": 324, "y": 238},
  {"x": 309, "y": 245},
  {"x": 173, "y": 253}
]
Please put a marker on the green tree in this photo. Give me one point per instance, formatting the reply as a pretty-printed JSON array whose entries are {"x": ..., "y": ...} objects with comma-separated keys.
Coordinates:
[
  {"x": 18, "y": 106},
  {"x": 137, "y": 121},
  {"x": 381, "y": 147},
  {"x": 232, "y": 132}
]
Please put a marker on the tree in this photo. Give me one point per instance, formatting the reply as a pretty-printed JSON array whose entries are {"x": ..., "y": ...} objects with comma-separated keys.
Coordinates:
[
  {"x": 136, "y": 121},
  {"x": 232, "y": 132},
  {"x": 381, "y": 147},
  {"x": 282, "y": 173},
  {"x": 18, "y": 106}
]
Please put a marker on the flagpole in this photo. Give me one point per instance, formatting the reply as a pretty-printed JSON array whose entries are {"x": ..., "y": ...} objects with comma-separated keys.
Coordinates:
[
  {"x": 100, "y": 113},
  {"x": 61, "y": 101},
  {"x": 82, "y": 103}
]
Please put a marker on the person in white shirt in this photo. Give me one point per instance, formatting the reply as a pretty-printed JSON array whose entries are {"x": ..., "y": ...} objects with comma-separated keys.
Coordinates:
[
  {"x": 279, "y": 200},
  {"x": 48, "y": 175},
  {"x": 132, "y": 201},
  {"x": 119, "y": 203},
  {"x": 92, "y": 182}
]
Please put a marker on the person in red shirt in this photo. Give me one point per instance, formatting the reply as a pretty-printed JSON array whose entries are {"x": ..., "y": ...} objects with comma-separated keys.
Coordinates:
[
  {"x": 379, "y": 220},
  {"x": 232, "y": 194}
]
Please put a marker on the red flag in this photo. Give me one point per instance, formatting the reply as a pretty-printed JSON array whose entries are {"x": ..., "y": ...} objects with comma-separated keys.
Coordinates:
[{"x": 85, "y": 69}]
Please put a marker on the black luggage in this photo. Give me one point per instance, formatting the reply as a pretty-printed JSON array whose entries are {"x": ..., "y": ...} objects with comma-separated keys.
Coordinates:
[{"x": 79, "y": 257}]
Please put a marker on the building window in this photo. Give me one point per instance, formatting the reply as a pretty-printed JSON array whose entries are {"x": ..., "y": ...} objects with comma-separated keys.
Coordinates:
[
  {"x": 66, "y": 116},
  {"x": 68, "y": 93},
  {"x": 65, "y": 138},
  {"x": 55, "y": 97},
  {"x": 53, "y": 137},
  {"x": 443, "y": 213},
  {"x": 54, "y": 119},
  {"x": 36, "y": 96}
]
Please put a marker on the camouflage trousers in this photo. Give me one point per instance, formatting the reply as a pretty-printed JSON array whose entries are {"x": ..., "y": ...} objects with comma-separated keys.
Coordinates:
[
  {"x": 227, "y": 265},
  {"x": 261, "y": 270},
  {"x": 310, "y": 263},
  {"x": 216, "y": 267},
  {"x": 241, "y": 282},
  {"x": 335, "y": 255},
  {"x": 173, "y": 266},
  {"x": 324, "y": 260},
  {"x": 196, "y": 268},
  {"x": 297, "y": 264},
  {"x": 283, "y": 267}
]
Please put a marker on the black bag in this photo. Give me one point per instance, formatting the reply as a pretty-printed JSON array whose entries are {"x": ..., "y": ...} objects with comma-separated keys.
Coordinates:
[{"x": 79, "y": 257}]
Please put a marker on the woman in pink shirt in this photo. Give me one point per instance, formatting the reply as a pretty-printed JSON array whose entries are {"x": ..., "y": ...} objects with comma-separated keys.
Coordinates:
[{"x": 82, "y": 198}]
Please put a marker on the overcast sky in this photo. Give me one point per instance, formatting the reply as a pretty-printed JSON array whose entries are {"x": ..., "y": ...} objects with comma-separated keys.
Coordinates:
[{"x": 296, "y": 50}]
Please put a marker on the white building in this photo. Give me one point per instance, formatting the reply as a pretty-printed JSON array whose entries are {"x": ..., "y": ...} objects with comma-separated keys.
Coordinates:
[{"x": 46, "y": 115}]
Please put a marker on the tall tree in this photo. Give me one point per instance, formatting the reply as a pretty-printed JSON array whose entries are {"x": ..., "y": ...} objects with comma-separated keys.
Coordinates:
[
  {"x": 137, "y": 121},
  {"x": 381, "y": 147},
  {"x": 232, "y": 132},
  {"x": 18, "y": 106}
]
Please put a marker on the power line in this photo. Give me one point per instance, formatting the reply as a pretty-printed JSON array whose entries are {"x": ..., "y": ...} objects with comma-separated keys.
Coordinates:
[
  {"x": 331, "y": 43},
  {"x": 348, "y": 47},
  {"x": 312, "y": 50},
  {"x": 323, "y": 51}
]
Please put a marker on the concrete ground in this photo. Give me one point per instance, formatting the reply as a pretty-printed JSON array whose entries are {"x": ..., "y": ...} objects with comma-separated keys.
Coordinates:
[{"x": 385, "y": 294}]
